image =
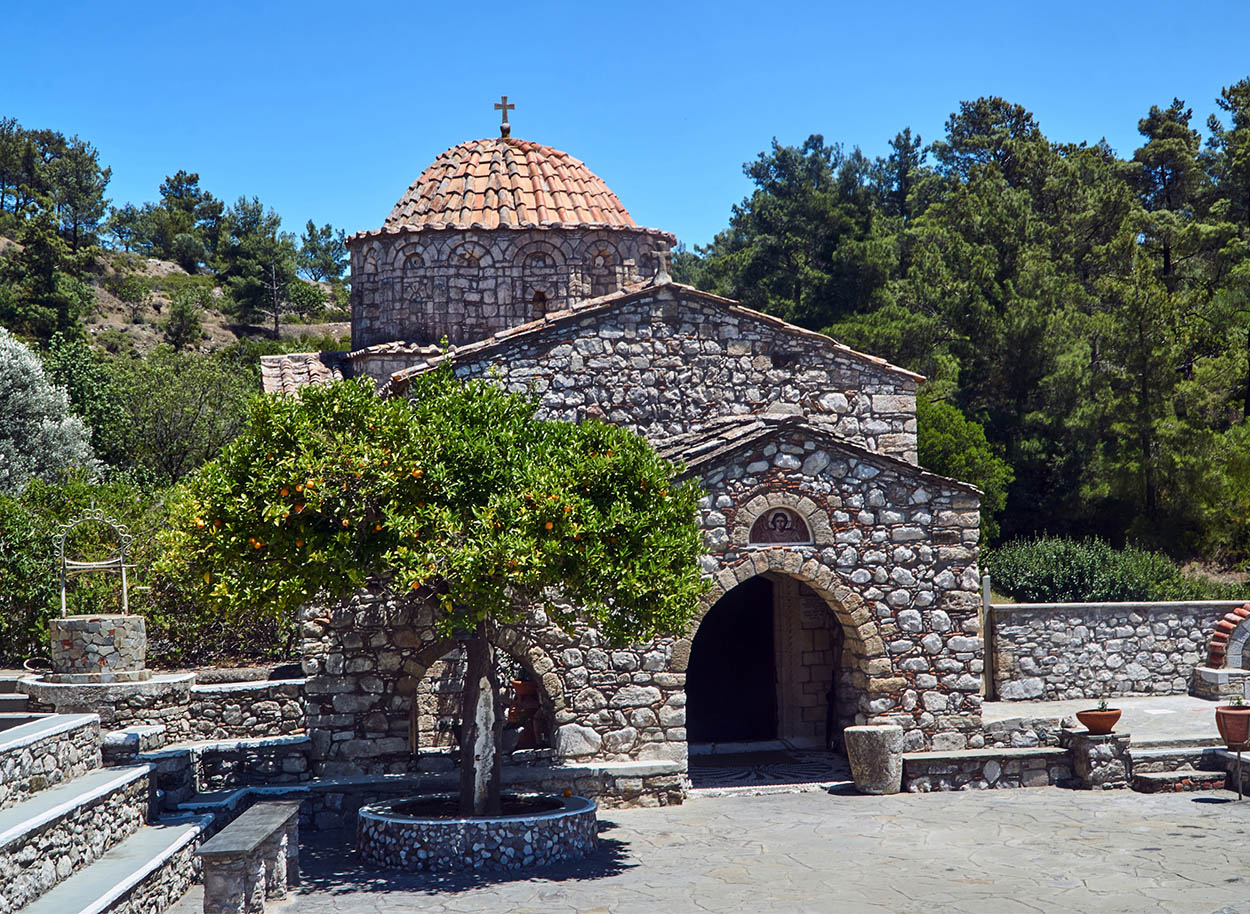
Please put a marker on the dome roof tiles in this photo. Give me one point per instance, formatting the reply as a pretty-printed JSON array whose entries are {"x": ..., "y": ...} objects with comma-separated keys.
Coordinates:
[{"x": 507, "y": 183}]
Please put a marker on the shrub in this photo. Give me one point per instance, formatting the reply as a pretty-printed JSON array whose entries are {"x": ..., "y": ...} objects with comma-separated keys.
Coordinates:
[
  {"x": 39, "y": 437},
  {"x": 1058, "y": 570}
]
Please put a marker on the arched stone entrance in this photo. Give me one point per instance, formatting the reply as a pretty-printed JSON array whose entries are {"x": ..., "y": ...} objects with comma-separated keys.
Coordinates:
[{"x": 764, "y": 665}]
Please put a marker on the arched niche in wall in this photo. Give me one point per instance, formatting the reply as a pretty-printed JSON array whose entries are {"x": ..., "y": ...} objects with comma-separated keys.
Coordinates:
[
  {"x": 782, "y": 519},
  {"x": 542, "y": 266},
  {"x": 601, "y": 262}
]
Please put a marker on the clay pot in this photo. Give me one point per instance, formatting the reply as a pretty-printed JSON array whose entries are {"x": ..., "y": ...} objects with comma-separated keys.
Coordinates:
[
  {"x": 1234, "y": 724},
  {"x": 1099, "y": 723}
]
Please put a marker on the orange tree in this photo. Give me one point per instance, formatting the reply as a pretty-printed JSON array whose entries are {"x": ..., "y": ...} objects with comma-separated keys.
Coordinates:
[{"x": 460, "y": 494}]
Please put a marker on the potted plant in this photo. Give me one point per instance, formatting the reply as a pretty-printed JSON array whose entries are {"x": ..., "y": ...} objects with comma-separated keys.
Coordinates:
[
  {"x": 1233, "y": 721},
  {"x": 1101, "y": 720}
]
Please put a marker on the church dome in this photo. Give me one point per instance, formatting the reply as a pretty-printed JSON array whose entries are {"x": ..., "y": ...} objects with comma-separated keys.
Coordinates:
[{"x": 507, "y": 183}]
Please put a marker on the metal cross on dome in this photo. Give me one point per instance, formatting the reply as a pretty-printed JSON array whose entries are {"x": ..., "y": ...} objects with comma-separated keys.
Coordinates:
[{"x": 502, "y": 105}]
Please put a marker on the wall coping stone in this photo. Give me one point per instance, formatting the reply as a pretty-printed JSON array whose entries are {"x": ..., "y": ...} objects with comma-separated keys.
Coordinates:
[
  {"x": 139, "y": 738},
  {"x": 255, "y": 685},
  {"x": 37, "y": 687},
  {"x": 956, "y": 755},
  {"x": 46, "y": 726},
  {"x": 209, "y": 745},
  {"x": 1113, "y": 607}
]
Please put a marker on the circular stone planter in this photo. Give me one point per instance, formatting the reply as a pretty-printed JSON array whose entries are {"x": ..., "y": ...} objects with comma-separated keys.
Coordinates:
[{"x": 388, "y": 837}]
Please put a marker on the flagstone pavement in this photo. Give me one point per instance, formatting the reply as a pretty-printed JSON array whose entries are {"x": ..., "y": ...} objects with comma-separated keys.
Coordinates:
[{"x": 992, "y": 852}]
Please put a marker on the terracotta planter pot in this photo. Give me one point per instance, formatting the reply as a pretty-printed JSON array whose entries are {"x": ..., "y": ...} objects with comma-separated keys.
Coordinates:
[
  {"x": 1099, "y": 723},
  {"x": 1234, "y": 724}
]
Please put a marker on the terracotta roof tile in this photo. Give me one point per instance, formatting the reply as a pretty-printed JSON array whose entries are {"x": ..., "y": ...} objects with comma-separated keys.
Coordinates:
[{"x": 536, "y": 185}]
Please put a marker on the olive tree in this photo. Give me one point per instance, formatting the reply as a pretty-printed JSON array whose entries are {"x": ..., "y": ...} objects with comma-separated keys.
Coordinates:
[
  {"x": 39, "y": 437},
  {"x": 460, "y": 494}
]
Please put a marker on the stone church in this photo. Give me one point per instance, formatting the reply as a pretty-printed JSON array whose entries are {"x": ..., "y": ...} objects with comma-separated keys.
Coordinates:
[{"x": 844, "y": 576}]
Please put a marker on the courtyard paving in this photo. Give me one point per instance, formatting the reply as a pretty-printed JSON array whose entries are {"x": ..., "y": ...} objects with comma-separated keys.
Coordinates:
[{"x": 994, "y": 852}]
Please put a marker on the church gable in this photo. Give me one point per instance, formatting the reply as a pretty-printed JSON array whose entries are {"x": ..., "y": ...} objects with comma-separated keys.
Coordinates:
[{"x": 667, "y": 359}]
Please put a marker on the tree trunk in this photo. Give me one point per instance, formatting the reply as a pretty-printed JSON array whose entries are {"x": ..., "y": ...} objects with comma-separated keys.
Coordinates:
[{"x": 481, "y": 730}]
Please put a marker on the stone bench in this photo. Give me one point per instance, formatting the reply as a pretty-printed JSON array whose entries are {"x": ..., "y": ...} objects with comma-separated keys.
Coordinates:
[{"x": 254, "y": 858}]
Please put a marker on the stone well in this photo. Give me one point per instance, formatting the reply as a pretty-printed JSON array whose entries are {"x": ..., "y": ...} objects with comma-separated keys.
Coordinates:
[
  {"x": 386, "y": 837},
  {"x": 92, "y": 649}
]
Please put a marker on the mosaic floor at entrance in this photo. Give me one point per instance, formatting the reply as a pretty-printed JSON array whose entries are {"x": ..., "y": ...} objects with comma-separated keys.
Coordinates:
[{"x": 773, "y": 768}]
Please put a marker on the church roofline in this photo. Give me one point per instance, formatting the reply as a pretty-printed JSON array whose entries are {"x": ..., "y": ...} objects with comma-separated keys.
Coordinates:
[
  {"x": 367, "y": 234},
  {"x": 721, "y": 439},
  {"x": 399, "y": 380}
]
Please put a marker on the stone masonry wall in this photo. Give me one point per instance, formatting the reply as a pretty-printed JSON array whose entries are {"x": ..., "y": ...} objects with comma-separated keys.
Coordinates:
[
  {"x": 894, "y": 555},
  {"x": 365, "y": 663},
  {"x": 1099, "y": 650},
  {"x": 422, "y": 285},
  {"x": 27, "y": 769},
  {"x": 668, "y": 360},
  {"x": 245, "y": 710}
]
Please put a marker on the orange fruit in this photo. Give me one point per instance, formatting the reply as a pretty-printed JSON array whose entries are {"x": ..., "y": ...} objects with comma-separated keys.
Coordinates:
[{"x": 548, "y": 525}]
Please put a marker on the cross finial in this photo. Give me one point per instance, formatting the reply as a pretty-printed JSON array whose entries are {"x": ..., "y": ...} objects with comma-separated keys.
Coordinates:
[
  {"x": 502, "y": 105},
  {"x": 663, "y": 258}
]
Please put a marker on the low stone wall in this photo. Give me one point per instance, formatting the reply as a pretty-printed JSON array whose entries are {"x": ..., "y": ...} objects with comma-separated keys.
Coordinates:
[
  {"x": 332, "y": 803},
  {"x": 245, "y": 710},
  {"x": 389, "y": 837},
  {"x": 983, "y": 769},
  {"x": 46, "y": 752},
  {"x": 1022, "y": 732},
  {"x": 183, "y": 771},
  {"x": 163, "y": 699},
  {"x": 1055, "y": 651}
]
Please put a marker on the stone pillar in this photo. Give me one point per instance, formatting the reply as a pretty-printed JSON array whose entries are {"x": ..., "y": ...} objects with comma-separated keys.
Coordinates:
[
  {"x": 1098, "y": 762},
  {"x": 876, "y": 756},
  {"x": 96, "y": 649}
]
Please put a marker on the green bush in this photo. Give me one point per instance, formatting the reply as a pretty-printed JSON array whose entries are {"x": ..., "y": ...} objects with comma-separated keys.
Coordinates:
[
  {"x": 1058, "y": 570},
  {"x": 182, "y": 629}
]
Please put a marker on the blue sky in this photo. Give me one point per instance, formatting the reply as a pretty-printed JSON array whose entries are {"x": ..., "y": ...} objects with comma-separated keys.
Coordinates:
[{"x": 329, "y": 111}]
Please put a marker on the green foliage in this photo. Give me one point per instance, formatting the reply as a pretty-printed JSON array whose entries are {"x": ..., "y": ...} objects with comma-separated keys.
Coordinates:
[
  {"x": 39, "y": 437},
  {"x": 951, "y": 444},
  {"x": 131, "y": 289},
  {"x": 178, "y": 409},
  {"x": 256, "y": 261},
  {"x": 184, "y": 326},
  {"x": 83, "y": 373},
  {"x": 181, "y": 631},
  {"x": 459, "y": 493},
  {"x": 307, "y": 299},
  {"x": 1058, "y": 570},
  {"x": 189, "y": 251},
  {"x": 322, "y": 253},
  {"x": 28, "y": 593},
  {"x": 41, "y": 289}
]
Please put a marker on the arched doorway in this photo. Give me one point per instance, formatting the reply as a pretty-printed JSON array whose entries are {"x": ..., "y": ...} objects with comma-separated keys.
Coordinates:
[{"x": 764, "y": 663}]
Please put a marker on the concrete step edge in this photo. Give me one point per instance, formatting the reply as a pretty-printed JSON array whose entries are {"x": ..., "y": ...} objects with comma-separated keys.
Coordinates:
[
  {"x": 67, "y": 797},
  {"x": 97, "y": 887}
]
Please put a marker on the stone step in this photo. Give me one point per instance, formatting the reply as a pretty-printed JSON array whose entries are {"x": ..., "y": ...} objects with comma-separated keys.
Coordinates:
[
  {"x": 147, "y": 872},
  {"x": 8, "y": 682},
  {"x": 1177, "y": 781},
  {"x": 39, "y": 751},
  {"x": 56, "y": 832},
  {"x": 13, "y": 702},
  {"x": 1177, "y": 758}
]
